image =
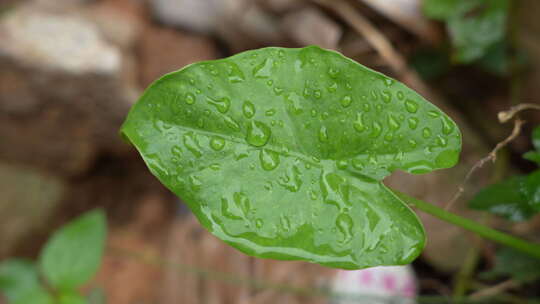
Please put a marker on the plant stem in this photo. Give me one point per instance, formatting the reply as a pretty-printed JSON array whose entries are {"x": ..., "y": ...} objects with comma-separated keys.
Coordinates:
[{"x": 529, "y": 248}]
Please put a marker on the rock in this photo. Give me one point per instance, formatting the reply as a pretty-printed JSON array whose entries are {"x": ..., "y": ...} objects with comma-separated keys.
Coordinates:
[
  {"x": 242, "y": 24},
  {"x": 63, "y": 94},
  {"x": 311, "y": 26},
  {"x": 197, "y": 15},
  {"x": 163, "y": 50},
  {"x": 29, "y": 199},
  {"x": 282, "y": 6}
]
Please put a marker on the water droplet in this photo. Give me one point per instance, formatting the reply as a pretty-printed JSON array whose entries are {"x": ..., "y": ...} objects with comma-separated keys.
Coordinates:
[
  {"x": 317, "y": 94},
  {"x": 434, "y": 114},
  {"x": 278, "y": 90},
  {"x": 313, "y": 113},
  {"x": 373, "y": 95},
  {"x": 222, "y": 105},
  {"x": 269, "y": 159},
  {"x": 294, "y": 102},
  {"x": 442, "y": 141},
  {"x": 292, "y": 181},
  {"x": 231, "y": 123},
  {"x": 366, "y": 107},
  {"x": 195, "y": 182},
  {"x": 215, "y": 167},
  {"x": 248, "y": 108},
  {"x": 389, "y": 136},
  {"x": 263, "y": 70},
  {"x": 344, "y": 223},
  {"x": 375, "y": 130},
  {"x": 346, "y": 101},
  {"x": 285, "y": 223},
  {"x": 270, "y": 112},
  {"x": 217, "y": 143},
  {"x": 325, "y": 115},
  {"x": 426, "y": 132},
  {"x": 400, "y": 95},
  {"x": 386, "y": 96},
  {"x": 388, "y": 82},
  {"x": 358, "y": 164},
  {"x": 411, "y": 106},
  {"x": 393, "y": 122},
  {"x": 447, "y": 126},
  {"x": 378, "y": 108},
  {"x": 200, "y": 122},
  {"x": 235, "y": 74},
  {"x": 206, "y": 112},
  {"x": 281, "y": 53},
  {"x": 312, "y": 195},
  {"x": 412, "y": 122},
  {"x": 323, "y": 134},
  {"x": 176, "y": 151},
  {"x": 258, "y": 134},
  {"x": 333, "y": 72},
  {"x": 332, "y": 88},
  {"x": 348, "y": 86},
  {"x": 190, "y": 99},
  {"x": 359, "y": 123},
  {"x": 270, "y": 82},
  {"x": 342, "y": 164},
  {"x": 412, "y": 142},
  {"x": 259, "y": 223},
  {"x": 191, "y": 144}
]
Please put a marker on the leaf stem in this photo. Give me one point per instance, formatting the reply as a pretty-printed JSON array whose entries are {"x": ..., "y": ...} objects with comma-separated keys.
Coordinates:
[{"x": 529, "y": 248}]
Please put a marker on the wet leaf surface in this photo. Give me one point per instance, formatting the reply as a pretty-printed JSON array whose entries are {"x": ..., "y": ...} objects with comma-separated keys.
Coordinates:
[{"x": 281, "y": 153}]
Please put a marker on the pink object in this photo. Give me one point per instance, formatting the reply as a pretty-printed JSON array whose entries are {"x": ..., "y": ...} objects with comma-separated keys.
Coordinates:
[{"x": 383, "y": 284}]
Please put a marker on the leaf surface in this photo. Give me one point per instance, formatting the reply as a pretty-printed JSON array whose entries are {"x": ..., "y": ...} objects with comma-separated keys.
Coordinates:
[
  {"x": 281, "y": 152},
  {"x": 73, "y": 254}
]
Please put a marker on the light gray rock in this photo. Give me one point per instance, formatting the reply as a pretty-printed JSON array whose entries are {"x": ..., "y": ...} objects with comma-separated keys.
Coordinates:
[
  {"x": 310, "y": 26},
  {"x": 62, "y": 90}
]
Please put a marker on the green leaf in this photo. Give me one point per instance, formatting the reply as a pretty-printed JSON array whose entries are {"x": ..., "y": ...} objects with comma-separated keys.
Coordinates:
[
  {"x": 474, "y": 29},
  {"x": 532, "y": 156},
  {"x": 475, "y": 26},
  {"x": 71, "y": 297},
  {"x": 439, "y": 9},
  {"x": 516, "y": 199},
  {"x": 536, "y": 138},
  {"x": 18, "y": 277},
  {"x": 519, "y": 266},
  {"x": 281, "y": 152},
  {"x": 35, "y": 296},
  {"x": 73, "y": 254}
]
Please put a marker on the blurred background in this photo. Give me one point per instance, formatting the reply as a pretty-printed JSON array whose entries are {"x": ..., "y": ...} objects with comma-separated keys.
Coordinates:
[{"x": 71, "y": 69}]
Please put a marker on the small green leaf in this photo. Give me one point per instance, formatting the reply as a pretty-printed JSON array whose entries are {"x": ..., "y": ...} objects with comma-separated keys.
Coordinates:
[
  {"x": 517, "y": 198},
  {"x": 18, "y": 277},
  {"x": 536, "y": 138},
  {"x": 532, "y": 156},
  {"x": 439, "y": 9},
  {"x": 515, "y": 264},
  {"x": 73, "y": 254},
  {"x": 71, "y": 297},
  {"x": 475, "y": 26},
  {"x": 281, "y": 152},
  {"x": 35, "y": 296}
]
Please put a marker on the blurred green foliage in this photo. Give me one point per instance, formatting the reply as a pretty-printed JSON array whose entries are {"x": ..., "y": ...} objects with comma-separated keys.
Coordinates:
[
  {"x": 474, "y": 26},
  {"x": 517, "y": 198},
  {"x": 69, "y": 259}
]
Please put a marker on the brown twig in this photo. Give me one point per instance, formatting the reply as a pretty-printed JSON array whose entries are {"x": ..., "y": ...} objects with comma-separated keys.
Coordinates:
[
  {"x": 492, "y": 156},
  {"x": 493, "y": 290},
  {"x": 505, "y": 116}
]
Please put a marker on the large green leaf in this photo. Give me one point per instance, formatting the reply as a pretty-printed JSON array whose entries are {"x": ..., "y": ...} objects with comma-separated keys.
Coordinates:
[
  {"x": 73, "y": 254},
  {"x": 281, "y": 152}
]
